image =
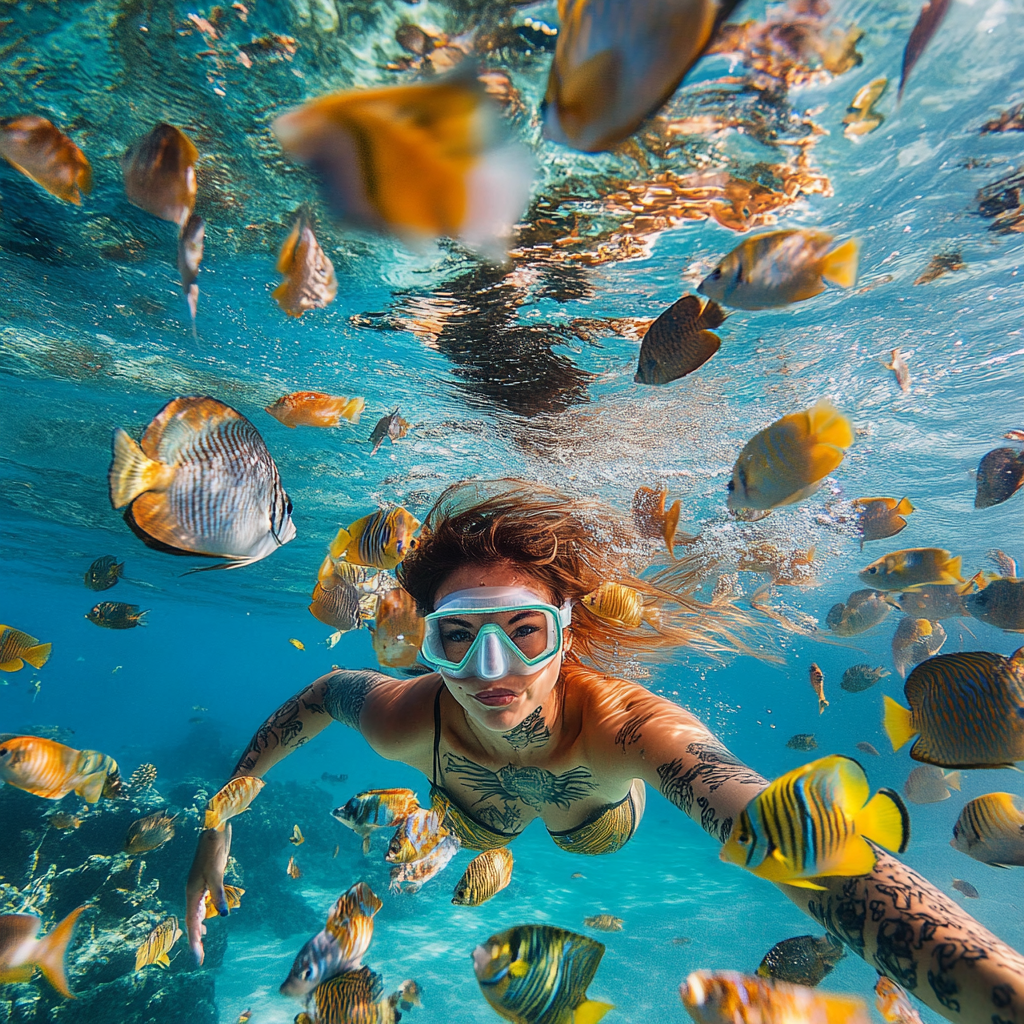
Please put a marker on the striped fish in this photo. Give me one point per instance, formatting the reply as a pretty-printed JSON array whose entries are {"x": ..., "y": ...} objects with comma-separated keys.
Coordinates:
[
  {"x": 336, "y": 606},
  {"x": 812, "y": 822},
  {"x": 232, "y": 895},
  {"x": 411, "y": 877},
  {"x": 157, "y": 945},
  {"x": 355, "y": 997},
  {"x": 21, "y": 952},
  {"x": 415, "y": 837},
  {"x": 376, "y": 808},
  {"x": 616, "y": 603},
  {"x": 231, "y": 799},
  {"x": 51, "y": 770},
  {"x": 201, "y": 483},
  {"x": 16, "y": 648},
  {"x": 967, "y": 710},
  {"x": 380, "y": 540},
  {"x": 487, "y": 874},
  {"x": 536, "y": 974},
  {"x": 991, "y": 829}
]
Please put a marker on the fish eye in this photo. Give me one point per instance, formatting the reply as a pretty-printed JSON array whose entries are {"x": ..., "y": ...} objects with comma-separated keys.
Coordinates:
[
  {"x": 3, "y": 751},
  {"x": 288, "y": 507},
  {"x": 731, "y": 485},
  {"x": 716, "y": 274},
  {"x": 744, "y": 839},
  {"x": 307, "y": 972},
  {"x": 872, "y": 569}
]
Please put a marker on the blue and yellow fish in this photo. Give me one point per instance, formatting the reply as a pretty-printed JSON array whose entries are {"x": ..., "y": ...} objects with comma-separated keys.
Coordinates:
[
  {"x": 812, "y": 822},
  {"x": 991, "y": 829},
  {"x": 912, "y": 568},
  {"x": 380, "y": 540}
]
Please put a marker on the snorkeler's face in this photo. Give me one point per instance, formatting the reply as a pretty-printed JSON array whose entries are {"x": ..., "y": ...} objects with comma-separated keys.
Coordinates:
[{"x": 499, "y": 704}]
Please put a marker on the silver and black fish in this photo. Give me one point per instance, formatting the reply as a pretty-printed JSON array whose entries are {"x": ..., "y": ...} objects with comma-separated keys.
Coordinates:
[{"x": 116, "y": 615}]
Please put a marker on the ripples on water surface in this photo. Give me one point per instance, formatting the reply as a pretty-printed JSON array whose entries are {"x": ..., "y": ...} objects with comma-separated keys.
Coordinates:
[{"x": 524, "y": 370}]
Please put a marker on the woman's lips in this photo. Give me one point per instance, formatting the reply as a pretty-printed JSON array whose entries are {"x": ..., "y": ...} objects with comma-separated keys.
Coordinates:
[{"x": 495, "y": 698}]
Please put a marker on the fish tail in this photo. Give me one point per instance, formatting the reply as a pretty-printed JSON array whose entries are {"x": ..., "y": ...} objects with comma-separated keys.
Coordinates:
[
  {"x": 590, "y": 1011},
  {"x": 829, "y": 425},
  {"x": 341, "y": 541},
  {"x": 904, "y": 508},
  {"x": 954, "y": 568},
  {"x": 37, "y": 656},
  {"x": 352, "y": 410},
  {"x": 132, "y": 473},
  {"x": 138, "y": 617},
  {"x": 822, "y": 704},
  {"x": 671, "y": 522},
  {"x": 90, "y": 789},
  {"x": 953, "y": 780},
  {"x": 884, "y": 820},
  {"x": 898, "y": 723},
  {"x": 840, "y": 265},
  {"x": 51, "y": 949}
]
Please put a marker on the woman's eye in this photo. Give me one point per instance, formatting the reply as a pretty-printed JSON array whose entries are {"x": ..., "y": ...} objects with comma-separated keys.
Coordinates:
[
  {"x": 458, "y": 636},
  {"x": 523, "y": 631}
]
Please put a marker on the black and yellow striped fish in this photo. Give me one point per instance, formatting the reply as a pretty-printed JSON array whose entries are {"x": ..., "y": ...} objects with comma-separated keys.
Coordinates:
[
  {"x": 487, "y": 874},
  {"x": 355, "y": 997},
  {"x": 967, "y": 710},
  {"x": 812, "y": 822},
  {"x": 380, "y": 540},
  {"x": 336, "y": 606},
  {"x": 991, "y": 829},
  {"x": 536, "y": 974}
]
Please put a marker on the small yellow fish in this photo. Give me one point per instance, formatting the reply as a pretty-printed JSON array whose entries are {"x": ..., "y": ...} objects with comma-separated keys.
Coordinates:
[
  {"x": 160, "y": 174},
  {"x": 380, "y": 540},
  {"x": 296, "y": 838},
  {"x": 878, "y": 518},
  {"x": 914, "y": 641},
  {"x": 21, "y": 952},
  {"x": 912, "y": 568},
  {"x": 415, "y": 837},
  {"x": 781, "y": 267},
  {"x": 928, "y": 784},
  {"x": 991, "y": 829},
  {"x": 38, "y": 149},
  {"x": 232, "y": 798},
  {"x": 893, "y": 1003},
  {"x": 898, "y": 364},
  {"x": 617, "y": 603},
  {"x": 309, "y": 279},
  {"x": 297, "y": 644},
  {"x": 604, "y": 923},
  {"x": 233, "y": 896},
  {"x": 788, "y": 460},
  {"x": 244, "y": 1017},
  {"x": 149, "y": 833},
  {"x": 293, "y": 869},
  {"x": 817, "y": 679},
  {"x": 157, "y": 945},
  {"x": 315, "y": 409},
  {"x": 487, "y": 874},
  {"x": 16, "y": 648},
  {"x": 861, "y": 118}
]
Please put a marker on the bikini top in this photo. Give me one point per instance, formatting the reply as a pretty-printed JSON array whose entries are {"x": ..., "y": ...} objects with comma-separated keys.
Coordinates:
[{"x": 606, "y": 830}]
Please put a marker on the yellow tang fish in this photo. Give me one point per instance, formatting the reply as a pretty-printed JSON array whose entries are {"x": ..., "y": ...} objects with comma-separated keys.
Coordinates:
[
  {"x": 309, "y": 279},
  {"x": 812, "y": 822},
  {"x": 380, "y": 540},
  {"x": 788, "y": 460},
  {"x": 893, "y": 1003},
  {"x": 233, "y": 897},
  {"x": 21, "y": 952},
  {"x": 487, "y": 874},
  {"x": 51, "y": 770},
  {"x": 160, "y": 174},
  {"x": 42, "y": 152},
  {"x": 410, "y": 877},
  {"x": 864, "y": 609},
  {"x": 728, "y": 997},
  {"x": 616, "y": 64},
  {"x": 423, "y": 160},
  {"x": 149, "y": 833},
  {"x": 967, "y": 709},
  {"x": 781, "y": 267},
  {"x": 537, "y": 974},
  {"x": 397, "y": 630},
  {"x": 991, "y": 829},
  {"x": 878, "y": 518},
  {"x": 315, "y": 409},
  {"x": 616, "y": 603},
  {"x": 16, "y": 648},
  {"x": 232, "y": 798},
  {"x": 912, "y": 568},
  {"x": 914, "y": 641},
  {"x": 202, "y": 482},
  {"x": 1000, "y": 603},
  {"x": 158, "y": 944}
]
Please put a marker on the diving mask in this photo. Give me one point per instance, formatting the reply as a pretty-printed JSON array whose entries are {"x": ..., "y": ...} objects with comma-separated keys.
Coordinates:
[{"x": 527, "y": 637}]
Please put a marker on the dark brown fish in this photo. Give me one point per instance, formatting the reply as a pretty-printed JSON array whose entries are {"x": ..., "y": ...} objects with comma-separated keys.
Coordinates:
[
  {"x": 802, "y": 741},
  {"x": 879, "y": 518},
  {"x": 1000, "y": 603},
  {"x": 935, "y": 601},
  {"x": 1011, "y": 120},
  {"x": 1000, "y": 476},
  {"x": 38, "y": 149},
  {"x": 966, "y": 888},
  {"x": 149, "y": 833},
  {"x": 116, "y": 615},
  {"x": 104, "y": 573},
  {"x": 947, "y": 263},
  {"x": 802, "y": 960},
  {"x": 858, "y": 678},
  {"x": 866, "y": 748},
  {"x": 190, "y": 255},
  {"x": 679, "y": 341},
  {"x": 391, "y": 426},
  {"x": 927, "y": 25},
  {"x": 160, "y": 174},
  {"x": 336, "y": 606}
]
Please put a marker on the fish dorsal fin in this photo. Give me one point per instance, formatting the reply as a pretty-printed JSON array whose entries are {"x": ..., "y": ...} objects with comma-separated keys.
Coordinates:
[
  {"x": 591, "y": 1011},
  {"x": 286, "y": 257},
  {"x": 177, "y": 425},
  {"x": 849, "y": 783},
  {"x": 829, "y": 425}
]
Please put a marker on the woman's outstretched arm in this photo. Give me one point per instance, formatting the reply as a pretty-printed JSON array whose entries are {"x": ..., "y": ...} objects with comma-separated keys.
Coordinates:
[{"x": 894, "y": 918}]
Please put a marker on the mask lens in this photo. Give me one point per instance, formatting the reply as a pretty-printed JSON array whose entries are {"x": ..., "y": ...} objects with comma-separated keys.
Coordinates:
[{"x": 531, "y": 631}]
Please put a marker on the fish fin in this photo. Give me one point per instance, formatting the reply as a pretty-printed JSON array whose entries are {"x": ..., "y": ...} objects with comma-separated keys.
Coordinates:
[
  {"x": 840, "y": 265},
  {"x": 591, "y": 1011},
  {"x": 671, "y": 522},
  {"x": 904, "y": 508},
  {"x": 829, "y": 425},
  {"x": 14, "y": 665},
  {"x": 802, "y": 883},
  {"x": 898, "y": 723},
  {"x": 955, "y": 568},
  {"x": 953, "y": 780},
  {"x": 341, "y": 541},
  {"x": 884, "y": 820},
  {"x": 49, "y": 957},
  {"x": 37, "y": 656},
  {"x": 163, "y": 960},
  {"x": 519, "y": 968},
  {"x": 589, "y": 91},
  {"x": 286, "y": 257},
  {"x": 366, "y": 845},
  {"x": 90, "y": 789},
  {"x": 132, "y": 473}
]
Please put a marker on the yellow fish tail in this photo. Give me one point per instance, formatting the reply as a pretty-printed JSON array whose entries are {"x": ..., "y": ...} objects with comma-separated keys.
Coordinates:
[
  {"x": 898, "y": 724},
  {"x": 340, "y": 543},
  {"x": 671, "y": 522},
  {"x": 353, "y": 409},
  {"x": 49, "y": 957},
  {"x": 37, "y": 656},
  {"x": 132, "y": 473},
  {"x": 884, "y": 820},
  {"x": 90, "y": 789},
  {"x": 904, "y": 508},
  {"x": 590, "y": 1011},
  {"x": 840, "y": 265},
  {"x": 954, "y": 568}
]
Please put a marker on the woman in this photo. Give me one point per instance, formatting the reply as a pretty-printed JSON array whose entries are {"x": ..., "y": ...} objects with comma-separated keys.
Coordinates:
[{"x": 514, "y": 727}]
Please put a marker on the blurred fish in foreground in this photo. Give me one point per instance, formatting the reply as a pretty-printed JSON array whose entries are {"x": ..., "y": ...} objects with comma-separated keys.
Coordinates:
[
  {"x": 893, "y": 1003},
  {"x": 912, "y": 568},
  {"x": 775, "y": 269},
  {"x": 914, "y": 641},
  {"x": 813, "y": 822},
  {"x": 398, "y": 630},
  {"x": 802, "y": 960},
  {"x": 991, "y": 829},
  {"x": 616, "y": 64},
  {"x": 866, "y": 748},
  {"x": 928, "y": 784},
  {"x": 116, "y": 615},
  {"x": 17, "y": 647},
  {"x": 160, "y": 174},
  {"x": 38, "y": 149},
  {"x": 156, "y": 947},
  {"x": 878, "y": 518},
  {"x": 380, "y": 540},
  {"x": 679, "y": 341},
  {"x": 190, "y": 255},
  {"x": 391, "y": 426},
  {"x": 201, "y": 483},
  {"x": 967, "y": 710},
  {"x": 1000, "y": 475},
  {"x": 376, "y": 808},
  {"x": 21, "y": 952},
  {"x": 538, "y": 974},
  {"x": 51, "y": 770},
  {"x": 788, "y": 460},
  {"x": 1000, "y": 603},
  {"x": 858, "y": 678},
  {"x": 423, "y": 161},
  {"x": 928, "y": 21},
  {"x": 309, "y": 278},
  {"x": 487, "y": 874},
  {"x": 104, "y": 573},
  {"x": 861, "y": 118},
  {"x": 149, "y": 833},
  {"x": 315, "y": 409},
  {"x": 729, "y": 997},
  {"x": 232, "y": 798}
]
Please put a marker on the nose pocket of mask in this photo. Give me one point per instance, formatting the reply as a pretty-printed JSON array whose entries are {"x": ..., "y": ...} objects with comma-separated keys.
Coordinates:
[{"x": 493, "y": 661}]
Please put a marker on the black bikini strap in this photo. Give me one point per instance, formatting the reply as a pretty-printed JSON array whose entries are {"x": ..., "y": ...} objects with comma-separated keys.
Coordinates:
[{"x": 437, "y": 732}]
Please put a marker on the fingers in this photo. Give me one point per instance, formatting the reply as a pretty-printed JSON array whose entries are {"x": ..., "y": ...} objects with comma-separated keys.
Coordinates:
[
  {"x": 195, "y": 911},
  {"x": 206, "y": 876}
]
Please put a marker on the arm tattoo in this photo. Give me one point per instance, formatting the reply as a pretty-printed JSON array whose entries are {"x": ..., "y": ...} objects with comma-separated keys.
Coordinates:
[
  {"x": 283, "y": 728},
  {"x": 629, "y": 732},
  {"x": 532, "y": 729},
  {"x": 533, "y": 786},
  {"x": 347, "y": 691}
]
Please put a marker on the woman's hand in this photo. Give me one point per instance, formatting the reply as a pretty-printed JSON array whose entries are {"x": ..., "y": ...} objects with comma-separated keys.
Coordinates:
[{"x": 206, "y": 876}]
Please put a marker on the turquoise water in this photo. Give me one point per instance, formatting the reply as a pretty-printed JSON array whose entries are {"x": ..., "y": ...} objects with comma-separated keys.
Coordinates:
[{"x": 498, "y": 378}]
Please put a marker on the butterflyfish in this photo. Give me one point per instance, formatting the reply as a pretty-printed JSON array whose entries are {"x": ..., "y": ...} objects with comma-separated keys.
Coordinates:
[
  {"x": 116, "y": 615},
  {"x": 232, "y": 798},
  {"x": 149, "y": 833},
  {"x": 1000, "y": 475},
  {"x": 315, "y": 409},
  {"x": 615, "y": 602},
  {"x": 156, "y": 947},
  {"x": 928, "y": 784},
  {"x": 296, "y": 838},
  {"x": 966, "y": 888},
  {"x": 775, "y": 269},
  {"x": 190, "y": 255},
  {"x": 801, "y": 960},
  {"x": 911, "y": 568},
  {"x": 538, "y": 974},
  {"x": 863, "y": 610},
  {"x": 812, "y": 822},
  {"x": 356, "y": 995},
  {"x": 104, "y": 573},
  {"x": 415, "y": 837},
  {"x": 17, "y": 647},
  {"x": 487, "y": 874},
  {"x": 160, "y": 174},
  {"x": 893, "y": 1003},
  {"x": 914, "y": 641},
  {"x": 991, "y": 829},
  {"x": 411, "y": 876},
  {"x": 40, "y": 151},
  {"x": 680, "y": 341},
  {"x": 201, "y": 483},
  {"x": 878, "y": 518},
  {"x": 51, "y": 770},
  {"x": 232, "y": 897},
  {"x": 309, "y": 278},
  {"x": 860, "y": 677},
  {"x": 336, "y": 606},
  {"x": 788, "y": 460},
  {"x": 422, "y": 161},
  {"x": 21, "y": 952},
  {"x": 380, "y": 540},
  {"x": 376, "y": 808},
  {"x": 398, "y": 630},
  {"x": 1000, "y": 603}
]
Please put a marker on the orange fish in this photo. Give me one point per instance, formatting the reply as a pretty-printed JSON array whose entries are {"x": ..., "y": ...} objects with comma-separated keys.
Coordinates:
[
  {"x": 398, "y": 630},
  {"x": 231, "y": 799},
  {"x": 293, "y": 869},
  {"x": 51, "y": 770},
  {"x": 415, "y": 837},
  {"x": 893, "y": 1003},
  {"x": 232, "y": 894},
  {"x": 309, "y": 280},
  {"x": 652, "y": 519},
  {"x": 41, "y": 152},
  {"x": 160, "y": 174},
  {"x": 21, "y": 952},
  {"x": 817, "y": 678},
  {"x": 315, "y": 409},
  {"x": 16, "y": 648}
]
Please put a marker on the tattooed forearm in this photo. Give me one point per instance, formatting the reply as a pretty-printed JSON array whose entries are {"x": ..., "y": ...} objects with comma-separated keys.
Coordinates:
[
  {"x": 347, "y": 691},
  {"x": 535, "y": 787},
  {"x": 282, "y": 729},
  {"x": 532, "y": 730}
]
